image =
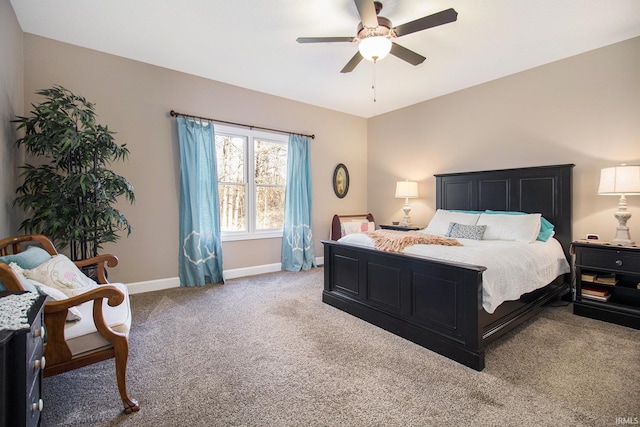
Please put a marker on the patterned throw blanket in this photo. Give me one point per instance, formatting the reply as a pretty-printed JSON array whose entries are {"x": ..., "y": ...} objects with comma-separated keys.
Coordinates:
[{"x": 396, "y": 241}]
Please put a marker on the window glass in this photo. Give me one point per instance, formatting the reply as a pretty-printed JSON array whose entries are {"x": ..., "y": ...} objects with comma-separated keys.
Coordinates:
[
  {"x": 270, "y": 178},
  {"x": 232, "y": 186},
  {"x": 252, "y": 176}
]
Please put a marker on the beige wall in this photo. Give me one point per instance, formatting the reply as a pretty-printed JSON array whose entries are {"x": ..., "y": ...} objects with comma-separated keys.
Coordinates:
[
  {"x": 11, "y": 104},
  {"x": 583, "y": 110},
  {"x": 134, "y": 100}
]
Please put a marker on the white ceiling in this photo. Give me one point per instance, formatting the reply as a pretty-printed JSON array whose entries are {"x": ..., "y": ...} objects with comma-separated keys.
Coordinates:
[{"x": 252, "y": 43}]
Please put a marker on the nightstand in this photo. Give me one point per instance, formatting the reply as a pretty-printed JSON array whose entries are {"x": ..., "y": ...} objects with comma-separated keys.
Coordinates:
[
  {"x": 607, "y": 282},
  {"x": 402, "y": 227}
]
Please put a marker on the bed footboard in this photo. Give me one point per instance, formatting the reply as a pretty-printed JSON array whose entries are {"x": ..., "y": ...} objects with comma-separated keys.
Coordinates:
[{"x": 432, "y": 303}]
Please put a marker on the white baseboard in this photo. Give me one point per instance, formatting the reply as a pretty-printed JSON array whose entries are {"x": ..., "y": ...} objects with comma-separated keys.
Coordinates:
[
  {"x": 153, "y": 285},
  {"x": 174, "y": 282}
]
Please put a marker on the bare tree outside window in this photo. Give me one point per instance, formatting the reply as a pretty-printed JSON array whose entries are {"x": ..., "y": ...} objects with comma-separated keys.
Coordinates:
[
  {"x": 271, "y": 179},
  {"x": 232, "y": 188},
  {"x": 252, "y": 176}
]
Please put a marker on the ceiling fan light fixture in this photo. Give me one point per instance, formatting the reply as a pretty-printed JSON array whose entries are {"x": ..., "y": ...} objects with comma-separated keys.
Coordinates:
[{"x": 374, "y": 48}]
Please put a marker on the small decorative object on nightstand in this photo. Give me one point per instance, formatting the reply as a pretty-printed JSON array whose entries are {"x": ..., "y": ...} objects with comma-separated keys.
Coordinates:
[
  {"x": 607, "y": 282},
  {"x": 402, "y": 227}
]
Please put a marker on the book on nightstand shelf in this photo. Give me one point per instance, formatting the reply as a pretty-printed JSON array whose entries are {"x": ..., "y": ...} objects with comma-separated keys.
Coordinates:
[
  {"x": 596, "y": 297},
  {"x": 591, "y": 292},
  {"x": 594, "y": 291},
  {"x": 600, "y": 279}
]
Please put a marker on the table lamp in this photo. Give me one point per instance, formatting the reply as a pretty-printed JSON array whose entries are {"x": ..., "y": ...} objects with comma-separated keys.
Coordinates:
[
  {"x": 406, "y": 190},
  {"x": 621, "y": 181}
]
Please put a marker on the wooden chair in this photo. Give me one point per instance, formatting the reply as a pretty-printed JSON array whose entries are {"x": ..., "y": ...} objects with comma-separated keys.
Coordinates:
[{"x": 58, "y": 355}]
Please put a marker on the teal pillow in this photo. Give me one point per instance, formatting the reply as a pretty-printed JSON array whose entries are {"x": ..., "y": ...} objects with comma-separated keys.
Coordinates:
[
  {"x": 28, "y": 259},
  {"x": 546, "y": 228}
]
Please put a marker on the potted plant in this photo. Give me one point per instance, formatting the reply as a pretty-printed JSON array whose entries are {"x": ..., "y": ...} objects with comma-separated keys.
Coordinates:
[{"x": 69, "y": 194}]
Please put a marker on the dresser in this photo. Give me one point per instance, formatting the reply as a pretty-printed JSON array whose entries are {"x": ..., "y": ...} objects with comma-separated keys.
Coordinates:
[
  {"x": 607, "y": 282},
  {"x": 21, "y": 358}
]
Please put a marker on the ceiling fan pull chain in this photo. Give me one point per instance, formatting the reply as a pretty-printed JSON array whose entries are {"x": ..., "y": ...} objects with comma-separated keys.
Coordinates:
[{"x": 373, "y": 78}]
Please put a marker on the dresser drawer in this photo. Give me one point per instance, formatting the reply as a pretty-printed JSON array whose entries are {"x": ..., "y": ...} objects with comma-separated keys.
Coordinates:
[
  {"x": 35, "y": 338},
  {"x": 34, "y": 366},
  {"x": 34, "y": 404},
  {"x": 614, "y": 260}
]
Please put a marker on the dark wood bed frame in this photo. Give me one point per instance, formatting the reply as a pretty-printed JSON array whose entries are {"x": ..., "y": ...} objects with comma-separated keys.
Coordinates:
[
  {"x": 337, "y": 219},
  {"x": 438, "y": 304}
]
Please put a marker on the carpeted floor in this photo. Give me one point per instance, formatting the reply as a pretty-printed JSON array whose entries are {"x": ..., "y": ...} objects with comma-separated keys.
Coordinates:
[{"x": 265, "y": 351}]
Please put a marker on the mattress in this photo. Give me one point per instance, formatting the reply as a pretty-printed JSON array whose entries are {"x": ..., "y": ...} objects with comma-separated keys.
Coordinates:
[{"x": 512, "y": 268}]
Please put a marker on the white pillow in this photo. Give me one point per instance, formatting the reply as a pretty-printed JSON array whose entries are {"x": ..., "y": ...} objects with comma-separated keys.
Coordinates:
[
  {"x": 350, "y": 227},
  {"x": 518, "y": 228},
  {"x": 61, "y": 273},
  {"x": 72, "y": 314},
  {"x": 439, "y": 224}
]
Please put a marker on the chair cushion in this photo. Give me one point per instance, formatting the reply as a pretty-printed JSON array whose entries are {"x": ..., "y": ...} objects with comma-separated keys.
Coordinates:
[
  {"x": 83, "y": 336},
  {"x": 61, "y": 273}
]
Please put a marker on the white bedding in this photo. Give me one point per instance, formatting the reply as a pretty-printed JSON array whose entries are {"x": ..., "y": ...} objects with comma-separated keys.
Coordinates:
[{"x": 513, "y": 268}]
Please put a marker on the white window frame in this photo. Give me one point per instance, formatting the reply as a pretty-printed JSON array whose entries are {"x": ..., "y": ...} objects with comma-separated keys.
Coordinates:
[{"x": 249, "y": 136}]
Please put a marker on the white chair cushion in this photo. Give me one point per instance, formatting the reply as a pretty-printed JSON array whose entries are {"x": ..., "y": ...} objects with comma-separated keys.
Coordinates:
[{"x": 83, "y": 336}]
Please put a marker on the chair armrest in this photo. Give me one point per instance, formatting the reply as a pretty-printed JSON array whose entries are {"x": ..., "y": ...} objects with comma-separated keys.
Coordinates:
[
  {"x": 57, "y": 350},
  {"x": 114, "y": 297},
  {"x": 99, "y": 261},
  {"x": 9, "y": 278}
]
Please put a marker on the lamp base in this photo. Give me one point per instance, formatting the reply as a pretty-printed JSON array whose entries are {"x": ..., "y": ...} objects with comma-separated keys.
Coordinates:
[
  {"x": 623, "y": 237},
  {"x": 406, "y": 220},
  {"x": 621, "y": 242}
]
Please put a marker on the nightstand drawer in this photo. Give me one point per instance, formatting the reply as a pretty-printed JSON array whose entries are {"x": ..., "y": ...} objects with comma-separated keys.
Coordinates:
[{"x": 617, "y": 261}]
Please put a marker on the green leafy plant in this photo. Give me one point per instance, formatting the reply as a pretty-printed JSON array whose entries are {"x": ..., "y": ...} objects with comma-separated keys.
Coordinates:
[{"x": 69, "y": 195}]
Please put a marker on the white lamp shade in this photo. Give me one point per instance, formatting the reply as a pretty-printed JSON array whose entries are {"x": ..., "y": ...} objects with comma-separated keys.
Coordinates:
[
  {"x": 406, "y": 190},
  {"x": 619, "y": 180},
  {"x": 374, "y": 47}
]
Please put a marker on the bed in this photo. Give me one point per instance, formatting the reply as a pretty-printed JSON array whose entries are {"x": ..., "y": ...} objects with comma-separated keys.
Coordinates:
[
  {"x": 439, "y": 304},
  {"x": 345, "y": 224}
]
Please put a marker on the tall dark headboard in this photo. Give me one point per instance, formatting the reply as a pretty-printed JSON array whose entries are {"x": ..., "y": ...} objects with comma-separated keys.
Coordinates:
[{"x": 542, "y": 189}]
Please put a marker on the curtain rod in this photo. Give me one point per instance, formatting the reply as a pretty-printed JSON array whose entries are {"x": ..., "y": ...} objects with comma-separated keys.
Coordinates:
[{"x": 176, "y": 114}]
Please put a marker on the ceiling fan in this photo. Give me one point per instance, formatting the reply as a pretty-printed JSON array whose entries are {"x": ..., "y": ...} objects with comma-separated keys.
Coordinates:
[{"x": 375, "y": 34}]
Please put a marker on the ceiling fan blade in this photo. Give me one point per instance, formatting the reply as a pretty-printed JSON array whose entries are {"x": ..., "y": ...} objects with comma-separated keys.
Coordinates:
[
  {"x": 367, "y": 12},
  {"x": 352, "y": 63},
  {"x": 440, "y": 18},
  {"x": 406, "y": 55},
  {"x": 324, "y": 39}
]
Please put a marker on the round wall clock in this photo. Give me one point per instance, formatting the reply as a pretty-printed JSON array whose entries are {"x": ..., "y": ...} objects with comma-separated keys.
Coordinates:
[{"x": 341, "y": 180}]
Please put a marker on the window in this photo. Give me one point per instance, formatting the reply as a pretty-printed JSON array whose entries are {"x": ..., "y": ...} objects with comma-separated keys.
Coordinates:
[{"x": 252, "y": 176}]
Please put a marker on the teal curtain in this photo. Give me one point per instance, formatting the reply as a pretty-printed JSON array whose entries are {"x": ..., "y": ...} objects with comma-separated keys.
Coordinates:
[
  {"x": 297, "y": 240},
  {"x": 200, "y": 252}
]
